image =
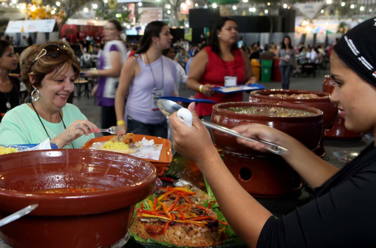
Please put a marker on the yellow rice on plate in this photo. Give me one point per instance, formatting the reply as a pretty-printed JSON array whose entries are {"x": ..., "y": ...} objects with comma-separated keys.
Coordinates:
[
  {"x": 117, "y": 147},
  {"x": 7, "y": 150}
]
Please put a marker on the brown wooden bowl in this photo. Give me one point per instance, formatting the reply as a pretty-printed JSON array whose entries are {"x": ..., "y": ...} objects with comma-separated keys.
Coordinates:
[{"x": 95, "y": 219}]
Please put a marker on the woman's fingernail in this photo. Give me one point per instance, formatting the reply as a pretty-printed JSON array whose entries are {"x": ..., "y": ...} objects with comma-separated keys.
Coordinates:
[
  {"x": 93, "y": 130},
  {"x": 98, "y": 130}
]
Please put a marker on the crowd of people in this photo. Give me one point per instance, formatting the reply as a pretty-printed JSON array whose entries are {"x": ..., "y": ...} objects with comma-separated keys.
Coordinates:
[{"x": 127, "y": 91}]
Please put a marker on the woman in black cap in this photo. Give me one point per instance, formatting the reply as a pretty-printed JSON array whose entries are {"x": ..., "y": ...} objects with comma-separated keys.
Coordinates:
[{"x": 343, "y": 211}]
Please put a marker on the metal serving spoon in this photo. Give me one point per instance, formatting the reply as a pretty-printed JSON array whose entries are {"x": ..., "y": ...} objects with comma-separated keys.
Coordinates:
[
  {"x": 18, "y": 214},
  {"x": 168, "y": 107}
]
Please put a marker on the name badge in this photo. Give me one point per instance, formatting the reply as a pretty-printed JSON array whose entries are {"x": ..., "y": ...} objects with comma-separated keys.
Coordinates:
[
  {"x": 154, "y": 99},
  {"x": 230, "y": 81}
]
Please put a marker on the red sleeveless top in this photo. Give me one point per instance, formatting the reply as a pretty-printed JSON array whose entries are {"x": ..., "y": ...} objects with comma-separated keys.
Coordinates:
[{"x": 215, "y": 73}]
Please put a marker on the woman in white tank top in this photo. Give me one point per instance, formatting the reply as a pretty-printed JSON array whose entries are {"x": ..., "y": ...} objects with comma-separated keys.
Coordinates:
[{"x": 146, "y": 77}]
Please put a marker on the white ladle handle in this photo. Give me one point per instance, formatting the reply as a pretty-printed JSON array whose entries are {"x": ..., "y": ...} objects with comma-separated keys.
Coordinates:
[{"x": 185, "y": 116}]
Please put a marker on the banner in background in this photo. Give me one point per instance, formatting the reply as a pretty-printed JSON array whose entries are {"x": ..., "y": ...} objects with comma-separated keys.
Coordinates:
[
  {"x": 31, "y": 26},
  {"x": 310, "y": 10},
  {"x": 148, "y": 15},
  {"x": 188, "y": 34}
]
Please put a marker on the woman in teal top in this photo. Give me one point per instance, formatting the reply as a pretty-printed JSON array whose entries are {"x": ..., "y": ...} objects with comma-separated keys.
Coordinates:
[{"x": 49, "y": 71}]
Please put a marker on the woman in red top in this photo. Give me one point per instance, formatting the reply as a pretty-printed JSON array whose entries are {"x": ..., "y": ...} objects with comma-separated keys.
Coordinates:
[{"x": 222, "y": 58}]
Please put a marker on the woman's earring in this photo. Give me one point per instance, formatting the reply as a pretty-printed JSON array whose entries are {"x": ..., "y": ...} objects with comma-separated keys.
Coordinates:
[
  {"x": 157, "y": 43},
  {"x": 218, "y": 36},
  {"x": 33, "y": 93}
]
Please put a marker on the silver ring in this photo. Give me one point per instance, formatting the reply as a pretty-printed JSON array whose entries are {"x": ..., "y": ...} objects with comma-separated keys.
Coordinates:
[{"x": 77, "y": 126}]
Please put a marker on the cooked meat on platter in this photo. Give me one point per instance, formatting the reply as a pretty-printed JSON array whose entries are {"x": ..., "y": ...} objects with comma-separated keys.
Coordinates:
[{"x": 177, "y": 216}]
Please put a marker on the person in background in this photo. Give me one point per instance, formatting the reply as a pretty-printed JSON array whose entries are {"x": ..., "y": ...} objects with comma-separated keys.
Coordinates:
[
  {"x": 312, "y": 59},
  {"x": 85, "y": 46},
  {"x": 12, "y": 41},
  {"x": 274, "y": 49},
  {"x": 195, "y": 52},
  {"x": 25, "y": 41},
  {"x": 108, "y": 72},
  {"x": 221, "y": 63},
  {"x": 49, "y": 72},
  {"x": 311, "y": 54},
  {"x": 182, "y": 76},
  {"x": 133, "y": 50},
  {"x": 255, "y": 52},
  {"x": 182, "y": 57},
  {"x": 30, "y": 41},
  {"x": 241, "y": 43},
  {"x": 97, "y": 53},
  {"x": 339, "y": 216},
  {"x": 186, "y": 46},
  {"x": 194, "y": 49},
  {"x": 287, "y": 61},
  {"x": 147, "y": 76},
  {"x": 9, "y": 86}
]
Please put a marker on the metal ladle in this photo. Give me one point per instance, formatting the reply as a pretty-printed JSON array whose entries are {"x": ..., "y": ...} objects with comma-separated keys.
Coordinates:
[
  {"x": 168, "y": 107},
  {"x": 18, "y": 214}
]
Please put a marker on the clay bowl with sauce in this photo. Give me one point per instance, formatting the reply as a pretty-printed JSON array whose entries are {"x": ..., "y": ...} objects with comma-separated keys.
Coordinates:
[
  {"x": 92, "y": 219},
  {"x": 306, "y": 129},
  {"x": 338, "y": 131},
  {"x": 315, "y": 99}
]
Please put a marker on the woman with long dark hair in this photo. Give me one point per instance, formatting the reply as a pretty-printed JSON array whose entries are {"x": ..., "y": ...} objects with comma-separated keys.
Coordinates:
[
  {"x": 9, "y": 86},
  {"x": 287, "y": 61},
  {"x": 109, "y": 67},
  {"x": 221, "y": 63},
  {"x": 145, "y": 77}
]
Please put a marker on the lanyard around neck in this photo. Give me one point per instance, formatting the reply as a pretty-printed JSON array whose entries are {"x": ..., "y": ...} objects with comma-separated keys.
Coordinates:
[
  {"x": 43, "y": 124},
  {"x": 152, "y": 73}
]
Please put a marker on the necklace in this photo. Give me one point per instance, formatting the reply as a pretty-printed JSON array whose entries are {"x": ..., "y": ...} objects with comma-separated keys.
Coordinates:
[
  {"x": 152, "y": 73},
  {"x": 43, "y": 124}
]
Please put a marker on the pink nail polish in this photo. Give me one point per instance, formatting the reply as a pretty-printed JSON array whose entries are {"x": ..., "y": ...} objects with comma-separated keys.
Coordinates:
[
  {"x": 93, "y": 130},
  {"x": 98, "y": 130}
]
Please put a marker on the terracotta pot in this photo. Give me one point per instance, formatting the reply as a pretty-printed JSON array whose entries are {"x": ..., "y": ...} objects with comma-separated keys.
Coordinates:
[
  {"x": 328, "y": 85},
  {"x": 263, "y": 176},
  {"x": 330, "y": 109},
  {"x": 96, "y": 219},
  {"x": 338, "y": 130},
  {"x": 305, "y": 129}
]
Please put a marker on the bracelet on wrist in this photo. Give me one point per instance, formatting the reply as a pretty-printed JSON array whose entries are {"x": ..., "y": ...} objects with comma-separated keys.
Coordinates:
[
  {"x": 121, "y": 122},
  {"x": 200, "y": 88}
]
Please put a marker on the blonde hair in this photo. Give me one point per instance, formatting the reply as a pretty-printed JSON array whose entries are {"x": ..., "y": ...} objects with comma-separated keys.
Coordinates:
[{"x": 46, "y": 64}]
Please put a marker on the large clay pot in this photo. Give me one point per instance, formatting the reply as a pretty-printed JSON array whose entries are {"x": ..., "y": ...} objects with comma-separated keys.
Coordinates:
[
  {"x": 323, "y": 103},
  {"x": 305, "y": 129},
  {"x": 264, "y": 174},
  {"x": 338, "y": 131},
  {"x": 95, "y": 219}
]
